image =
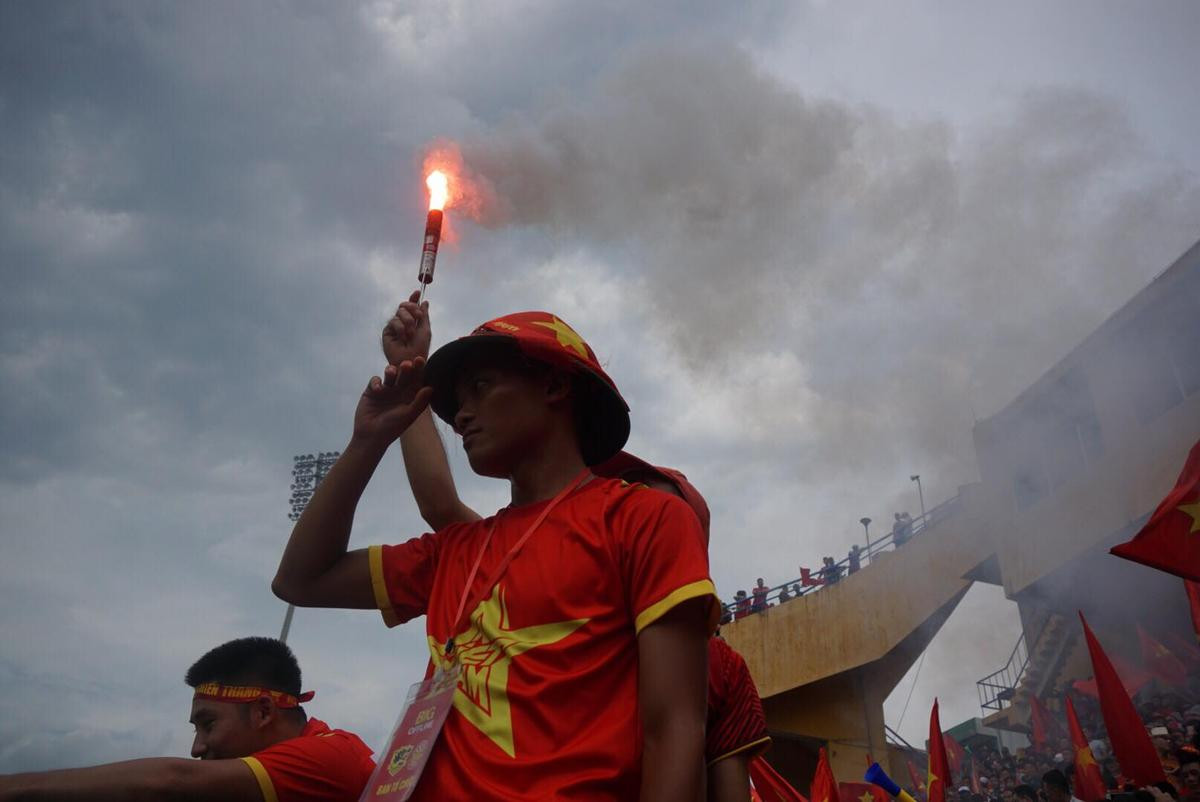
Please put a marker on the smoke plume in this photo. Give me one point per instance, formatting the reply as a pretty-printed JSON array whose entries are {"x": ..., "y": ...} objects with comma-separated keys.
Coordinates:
[{"x": 902, "y": 278}]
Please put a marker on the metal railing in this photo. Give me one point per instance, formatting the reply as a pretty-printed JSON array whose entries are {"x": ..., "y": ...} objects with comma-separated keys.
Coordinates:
[
  {"x": 996, "y": 690},
  {"x": 802, "y": 586}
]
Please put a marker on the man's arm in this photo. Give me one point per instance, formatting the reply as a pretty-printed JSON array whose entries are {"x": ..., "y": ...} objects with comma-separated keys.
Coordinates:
[
  {"x": 316, "y": 570},
  {"x": 729, "y": 779},
  {"x": 406, "y": 337},
  {"x": 672, "y": 683},
  {"x": 737, "y": 729},
  {"x": 429, "y": 475},
  {"x": 149, "y": 779}
]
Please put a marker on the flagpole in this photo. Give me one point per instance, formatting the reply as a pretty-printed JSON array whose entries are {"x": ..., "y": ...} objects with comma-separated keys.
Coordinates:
[{"x": 287, "y": 622}]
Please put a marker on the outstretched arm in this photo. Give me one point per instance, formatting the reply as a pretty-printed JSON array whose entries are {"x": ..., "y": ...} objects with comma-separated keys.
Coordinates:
[
  {"x": 149, "y": 779},
  {"x": 406, "y": 337},
  {"x": 672, "y": 684},
  {"x": 316, "y": 570}
]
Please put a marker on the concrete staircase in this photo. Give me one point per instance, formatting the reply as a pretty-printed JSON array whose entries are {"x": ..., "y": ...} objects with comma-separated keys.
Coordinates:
[
  {"x": 1044, "y": 675},
  {"x": 824, "y": 662}
]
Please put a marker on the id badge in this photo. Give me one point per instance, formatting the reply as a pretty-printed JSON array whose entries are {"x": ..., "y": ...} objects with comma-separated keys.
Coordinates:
[{"x": 412, "y": 739}]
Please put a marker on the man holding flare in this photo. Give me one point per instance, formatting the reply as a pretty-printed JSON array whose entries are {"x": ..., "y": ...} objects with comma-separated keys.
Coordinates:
[
  {"x": 576, "y": 618},
  {"x": 736, "y": 726}
]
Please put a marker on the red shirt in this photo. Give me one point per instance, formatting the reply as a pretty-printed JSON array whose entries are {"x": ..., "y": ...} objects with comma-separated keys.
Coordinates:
[
  {"x": 319, "y": 764},
  {"x": 547, "y": 704},
  {"x": 736, "y": 722}
]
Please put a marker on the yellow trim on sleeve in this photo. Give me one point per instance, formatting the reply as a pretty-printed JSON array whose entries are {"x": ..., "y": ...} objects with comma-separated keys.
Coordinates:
[
  {"x": 676, "y": 597},
  {"x": 758, "y": 746},
  {"x": 379, "y": 586},
  {"x": 264, "y": 780}
]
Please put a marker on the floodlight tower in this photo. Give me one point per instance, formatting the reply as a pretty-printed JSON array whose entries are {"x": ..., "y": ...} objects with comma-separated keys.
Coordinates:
[{"x": 307, "y": 473}]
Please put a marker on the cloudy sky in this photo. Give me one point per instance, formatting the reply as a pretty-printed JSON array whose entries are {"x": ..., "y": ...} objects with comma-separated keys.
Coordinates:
[{"x": 812, "y": 243}]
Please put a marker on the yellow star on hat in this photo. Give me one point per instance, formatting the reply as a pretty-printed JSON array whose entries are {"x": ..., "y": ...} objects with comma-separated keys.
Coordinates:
[{"x": 565, "y": 335}]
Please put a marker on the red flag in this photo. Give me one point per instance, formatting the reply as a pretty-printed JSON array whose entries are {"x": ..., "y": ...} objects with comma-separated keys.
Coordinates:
[
  {"x": 769, "y": 786},
  {"x": 1193, "y": 594},
  {"x": 939, "y": 766},
  {"x": 824, "y": 788},
  {"x": 862, "y": 792},
  {"x": 1089, "y": 785},
  {"x": 955, "y": 753},
  {"x": 1130, "y": 742},
  {"x": 1187, "y": 651},
  {"x": 1132, "y": 677},
  {"x": 1044, "y": 726},
  {"x": 1160, "y": 661},
  {"x": 914, "y": 775},
  {"x": 1167, "y": 541}
]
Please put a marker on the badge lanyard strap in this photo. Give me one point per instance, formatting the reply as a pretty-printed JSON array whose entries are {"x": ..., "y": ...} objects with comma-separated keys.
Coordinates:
[{"x": 503, "y": 566}]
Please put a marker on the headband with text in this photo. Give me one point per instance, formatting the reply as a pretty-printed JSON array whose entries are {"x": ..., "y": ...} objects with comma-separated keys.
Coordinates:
[{"x": 244, "y": 694}]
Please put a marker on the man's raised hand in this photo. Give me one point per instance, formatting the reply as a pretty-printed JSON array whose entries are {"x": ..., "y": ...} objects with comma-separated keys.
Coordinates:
[
  {"x": 389, "y": 405},
  {"x": 407, "y": 335}
]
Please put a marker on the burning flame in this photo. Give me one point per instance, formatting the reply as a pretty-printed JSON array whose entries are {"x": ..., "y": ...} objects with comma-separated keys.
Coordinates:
[{"x": 439, "y": 189}]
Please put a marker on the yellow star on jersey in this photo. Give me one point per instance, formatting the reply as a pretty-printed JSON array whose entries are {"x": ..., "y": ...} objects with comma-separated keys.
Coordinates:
[
  {"x": 1194, "y": 511},
  {"x": 485, "y": 651},
  {"x": 565, "y": 335}
]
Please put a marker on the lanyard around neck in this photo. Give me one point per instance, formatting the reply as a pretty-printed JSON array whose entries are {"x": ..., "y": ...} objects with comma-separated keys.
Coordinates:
[{"x": 573, "y": 485}]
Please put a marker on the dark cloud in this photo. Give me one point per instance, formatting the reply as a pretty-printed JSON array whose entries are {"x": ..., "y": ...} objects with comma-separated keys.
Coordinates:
[{"x": 206, "y": 211}]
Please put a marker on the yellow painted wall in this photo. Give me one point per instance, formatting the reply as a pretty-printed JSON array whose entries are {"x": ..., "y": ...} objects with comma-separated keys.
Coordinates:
[
  {"x": 840, "y": 710},
  {"x": 825, "y": 662},
  {"x": 1140, "y": 459},
  {"x": 864, "y": 616},
  {"x": 1129, "y": 481}
]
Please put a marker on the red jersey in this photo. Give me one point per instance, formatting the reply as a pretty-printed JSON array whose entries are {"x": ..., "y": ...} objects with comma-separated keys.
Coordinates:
[
  {"x": 547, "y": 705},
  {"x": 736, "y": 722},
  {"x": 319, "y": 765}
]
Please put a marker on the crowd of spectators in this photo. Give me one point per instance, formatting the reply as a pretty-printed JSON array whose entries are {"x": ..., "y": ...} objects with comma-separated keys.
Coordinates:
[
  {"x": 1046, "y": 773},
  {"x": 830, "y": 573}
]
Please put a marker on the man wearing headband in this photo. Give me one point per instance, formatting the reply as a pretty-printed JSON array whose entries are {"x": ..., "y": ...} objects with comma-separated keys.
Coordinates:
[
  {"x": 736, "y": 729},
  {"x": 578, "y": 615},
  {"x": 254, "y": 741}
]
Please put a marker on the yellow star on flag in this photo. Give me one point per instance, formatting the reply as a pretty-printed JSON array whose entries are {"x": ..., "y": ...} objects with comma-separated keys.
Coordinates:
[
  {"x": 565, "y": 335},
  {"x": 1083, "y": 757},
  {"x": 931, "y": 779},
  {"x": 1194, "y": 511},
  {"x": 485, "y": 650},
  {"x": 867, "y": 797}
]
